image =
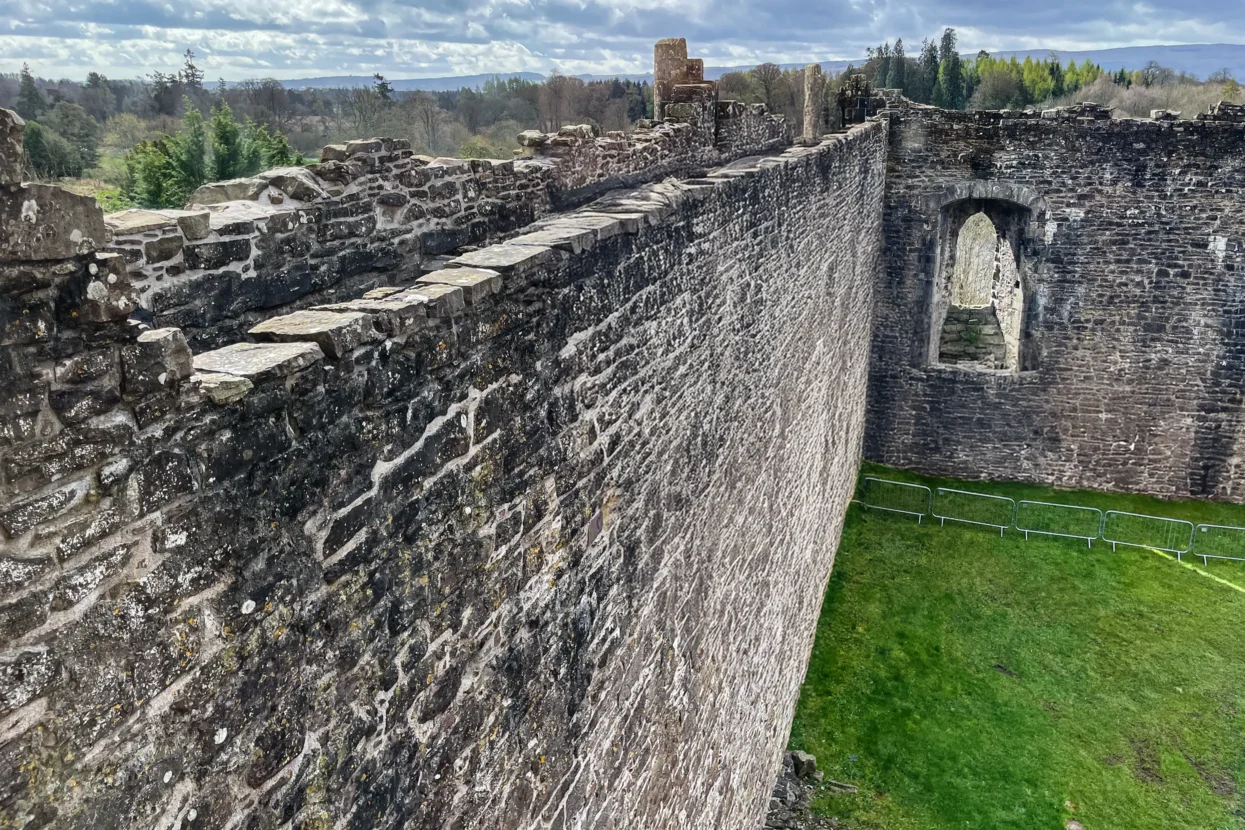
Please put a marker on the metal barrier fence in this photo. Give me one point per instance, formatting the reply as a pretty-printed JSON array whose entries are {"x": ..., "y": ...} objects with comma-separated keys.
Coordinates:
[
  {"x": 973, "y": 508},
  {"x": 896, "y": 497},
  {"x": 1071, "y": 521},
  {"x": 1218, "y": 541},
  {"x": 1050, "y": 519},
  {"x": 1141, "y": 531}
]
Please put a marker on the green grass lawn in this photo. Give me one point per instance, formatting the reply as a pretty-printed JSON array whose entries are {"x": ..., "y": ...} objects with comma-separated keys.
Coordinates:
[{"x": 963, "y": 680}]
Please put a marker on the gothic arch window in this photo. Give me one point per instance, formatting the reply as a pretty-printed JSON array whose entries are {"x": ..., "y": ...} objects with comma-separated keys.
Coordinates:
[{"x": 979, "y": 295}]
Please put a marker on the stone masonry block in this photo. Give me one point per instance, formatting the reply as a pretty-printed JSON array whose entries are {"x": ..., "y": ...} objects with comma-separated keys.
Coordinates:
[
  {"x": 194, "y": 224},
  {"x": 508, "y": 257},
  {"x": 476, "y": 283},
  {"x": 394, "y": 313},
  {"x": 222, "y": 389},
  {"x": 44, "y": 222},
  {"x": 295, "y": 182},
  {"x": 159, "y": 359},
  {"x": 568, "y": 236},
  {"x": 162, "y": 249},
  {"x": 259, "y": 361},
  {"x": 232, "y": 190},
  {"x": 11, "y": 128},
  {"x": 441, "y": 300},
  {"x": 337, "y": 333},
  {"x": 211, "y": 255}
]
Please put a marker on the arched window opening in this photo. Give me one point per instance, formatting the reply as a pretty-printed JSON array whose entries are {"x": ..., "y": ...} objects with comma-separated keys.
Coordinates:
[{"x": 979, "y": 302}]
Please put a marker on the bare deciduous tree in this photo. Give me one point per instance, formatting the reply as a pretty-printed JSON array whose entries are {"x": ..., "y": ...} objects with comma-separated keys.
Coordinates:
[{"x": 768, "y": 78}]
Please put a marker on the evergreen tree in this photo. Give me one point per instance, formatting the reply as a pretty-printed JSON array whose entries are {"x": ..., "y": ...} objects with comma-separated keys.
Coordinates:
[
  {"x": 48, "y": 155},
  {"x": 898, "y": 77},
  {"x": 949, "y": 90},
  {"x": 383, "y": 89},
  {"x": 1055, "y": 69},
  {"x": 191, "y": 76},
  {"x": 97, "y": 98},
  {"x": 228, "y": 161},
  {"x": 928, "y": 71},
  {"x": 30, "y": 104},
  {"x": 165, "y": 93},
  {"x": 187, "y": 168},
  {"x": 147, "y": 168},
  {"x": 883, "y": 57}
]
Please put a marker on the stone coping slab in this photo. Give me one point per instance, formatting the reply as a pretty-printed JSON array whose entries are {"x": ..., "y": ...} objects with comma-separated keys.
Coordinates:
[
  {"x": 259, "y": 361},
  {"x": 476, "y": 283},
  {"x": 336, "y": 332}
]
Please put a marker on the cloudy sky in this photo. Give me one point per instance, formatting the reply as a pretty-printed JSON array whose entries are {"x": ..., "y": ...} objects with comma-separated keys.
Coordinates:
[{"x": 239, "y": 39}]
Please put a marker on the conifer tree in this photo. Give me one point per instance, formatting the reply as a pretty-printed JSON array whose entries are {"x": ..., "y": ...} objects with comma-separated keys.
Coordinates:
[
  {"x": 226, "y": 139},
  {"x": 30, "y": 103},
  {"x": 187, "y": 168},
  {"x": 928, "y": 65},
  {"x": 898, "y": 77},
  {"x": 949, "y": 90}
]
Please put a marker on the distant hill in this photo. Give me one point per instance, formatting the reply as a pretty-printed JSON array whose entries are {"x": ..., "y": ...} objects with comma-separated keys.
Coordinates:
[
  {"x": 1198, "y": 59},
  {"x": 407, "y": 84}
]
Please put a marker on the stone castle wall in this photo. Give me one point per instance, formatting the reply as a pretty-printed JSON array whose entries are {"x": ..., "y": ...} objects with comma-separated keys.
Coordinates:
[
  {"x": 372, "y": 212},
  {"x": 479, "y": 548},
  {"x": 1134, "y": 270}
]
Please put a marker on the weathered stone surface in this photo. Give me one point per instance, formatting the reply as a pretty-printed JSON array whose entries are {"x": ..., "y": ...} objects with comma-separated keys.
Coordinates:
[
  {"x": 814, "y": 103},
  {"x": 532, "y": 138},
  {"x": 159, "y": 359},
  {"x": 441, "y": 300},
  {"x": 477, "y": 284},
  {"x": 393, "y": 311},
  {"x": 11, "y": 128},
  {"x": 222, "y": 389},
  {"x": 337, "y": 333},
  {"x": 334, "y": 152},
  {"x": 110, "y": 295},
  {"x": 295, "y": 182},
  {"x": 163, "y": 249},
  {"x": 1119, "y": 284},
  {"x": 215, "y": 254},
  {"x": 464, "y": 531},
  {"x": 259, "y": 361},
  {"x": 363, "y": 146},
  {"x": 245, "y": 190},
  {"x": 192, "y": 223},
  {"x": 506, "y": 258},
  {"x": 42, "y": 222}
]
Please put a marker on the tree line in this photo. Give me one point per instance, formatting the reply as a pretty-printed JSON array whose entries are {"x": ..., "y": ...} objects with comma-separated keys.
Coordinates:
[
  {"x": 149, "y": 141},
  {"x": 152, "y": 141},
  {"x": 937, "y": 74}
]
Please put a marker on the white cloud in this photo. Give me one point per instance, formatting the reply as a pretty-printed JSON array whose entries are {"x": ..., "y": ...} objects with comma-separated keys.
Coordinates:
[{"x": 412, "y": 38}]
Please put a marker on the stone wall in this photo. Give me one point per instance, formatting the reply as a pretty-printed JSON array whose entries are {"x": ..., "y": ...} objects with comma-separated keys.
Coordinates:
[
  {"x": 370, "y": 213},
  {"x": 536, "y": 540},
  {"x": 1133, "y": 259}
]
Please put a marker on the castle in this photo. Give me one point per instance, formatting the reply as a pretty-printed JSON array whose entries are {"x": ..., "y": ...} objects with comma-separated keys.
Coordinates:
[{"x": 410, "y": 492}]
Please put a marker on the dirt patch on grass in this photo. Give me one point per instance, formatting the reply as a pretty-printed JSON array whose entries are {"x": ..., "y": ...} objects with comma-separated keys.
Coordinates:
[
  {"x": 1145, "y": 762},
  {"x": 1221, "y": 783}
]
